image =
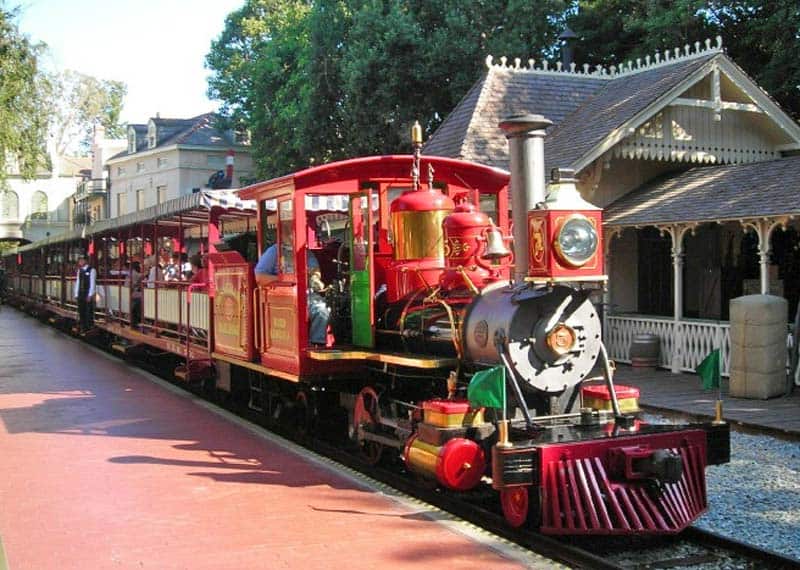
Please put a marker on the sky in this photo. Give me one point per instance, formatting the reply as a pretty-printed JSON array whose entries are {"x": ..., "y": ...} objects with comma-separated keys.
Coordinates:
[{"x": 156, "y": 47}]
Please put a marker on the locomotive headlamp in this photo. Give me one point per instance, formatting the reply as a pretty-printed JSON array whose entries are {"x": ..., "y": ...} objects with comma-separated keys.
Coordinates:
[{"x": 576, "y": 241}]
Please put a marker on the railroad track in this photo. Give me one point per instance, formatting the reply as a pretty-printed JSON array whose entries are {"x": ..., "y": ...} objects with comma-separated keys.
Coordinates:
[{"x": 694, "y": 548}]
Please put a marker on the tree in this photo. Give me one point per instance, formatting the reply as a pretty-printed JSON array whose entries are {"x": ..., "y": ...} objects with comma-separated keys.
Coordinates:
[
  {"x": 319, "y": 81},
  {"x": 23, "y": 113},
  {"x": 79, "y": 101},
  {"x": 762, "y": 37}
]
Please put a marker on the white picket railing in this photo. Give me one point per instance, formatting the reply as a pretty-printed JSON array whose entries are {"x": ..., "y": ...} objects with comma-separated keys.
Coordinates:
[
  {"x": 695, "y": 339},
  {"x": 172, "y": 307}
]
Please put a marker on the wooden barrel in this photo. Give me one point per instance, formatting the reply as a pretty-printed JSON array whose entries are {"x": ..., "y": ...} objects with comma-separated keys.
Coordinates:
[{"x": 645, "y": 350}]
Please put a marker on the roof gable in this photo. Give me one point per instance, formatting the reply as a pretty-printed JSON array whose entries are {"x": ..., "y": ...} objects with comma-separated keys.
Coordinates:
[
  {"x": 594, "y": 111},
  {"x": 196, "y": 131}
]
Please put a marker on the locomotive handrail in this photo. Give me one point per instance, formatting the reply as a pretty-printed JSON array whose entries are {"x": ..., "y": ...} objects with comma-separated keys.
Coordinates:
[{"x": 257, "y": 317}]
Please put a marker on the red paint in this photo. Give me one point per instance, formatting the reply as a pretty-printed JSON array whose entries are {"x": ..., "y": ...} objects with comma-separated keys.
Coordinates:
[
  {"x": 575, "y": 475},
  {"x": 446, "y": 406},
  {"x": 600, "y": 391},
  {"x": 543, "y": 258},
  {"x": 461, "y": 464},
  {"x": 465, "y": 231},
  {"x": 113, "y": 471}
]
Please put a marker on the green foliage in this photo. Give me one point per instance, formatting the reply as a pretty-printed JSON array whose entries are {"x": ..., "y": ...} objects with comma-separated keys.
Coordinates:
[
  {"x": 78, "y": 102},
  {"x": 763, "y": 37},
  {"x": 322, "y": 80},
  {"x": 23, "y": 114}
]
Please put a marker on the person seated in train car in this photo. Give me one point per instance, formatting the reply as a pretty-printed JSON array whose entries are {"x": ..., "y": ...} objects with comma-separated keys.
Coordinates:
[
  {"x": 266, "y": 271},
  {"x": 133, "y": 280},
  {"x": 85, "y": 281},
  {"x": 153, "y": 271},
  {"x": 186, "y": 267},
  {"x": 199, "y": 274},
  {"x": 172, "y": 270}
]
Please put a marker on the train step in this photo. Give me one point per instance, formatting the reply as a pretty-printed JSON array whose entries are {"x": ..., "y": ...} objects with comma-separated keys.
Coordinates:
[{"x": 256, "y": 395}]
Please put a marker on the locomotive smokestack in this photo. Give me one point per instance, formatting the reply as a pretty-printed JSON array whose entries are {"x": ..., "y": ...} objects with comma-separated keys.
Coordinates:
[{"x": 525, "y": 134}]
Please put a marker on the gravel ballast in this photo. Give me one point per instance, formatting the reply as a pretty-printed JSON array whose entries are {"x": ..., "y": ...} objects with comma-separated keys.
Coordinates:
[{"x": 756, "y": 497}]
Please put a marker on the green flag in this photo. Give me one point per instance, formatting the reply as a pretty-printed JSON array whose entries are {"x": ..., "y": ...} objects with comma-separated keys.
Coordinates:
[
  {"x": 708, "y": 370},
  {"x": 488, "y": 388}
]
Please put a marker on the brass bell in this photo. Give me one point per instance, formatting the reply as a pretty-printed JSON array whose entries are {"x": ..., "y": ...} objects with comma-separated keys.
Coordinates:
[{"x": 495, "y": 244}]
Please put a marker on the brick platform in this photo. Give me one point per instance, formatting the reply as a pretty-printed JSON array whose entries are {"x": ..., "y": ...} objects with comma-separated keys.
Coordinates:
[{"x": 102, "y": 468}]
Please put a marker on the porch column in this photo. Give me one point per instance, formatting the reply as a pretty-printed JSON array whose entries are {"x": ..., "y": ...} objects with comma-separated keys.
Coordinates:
[
  {"x": 763, "y": 228},
  {"x": 676, "y": 233},
  {"x": 608, "y": 237}
]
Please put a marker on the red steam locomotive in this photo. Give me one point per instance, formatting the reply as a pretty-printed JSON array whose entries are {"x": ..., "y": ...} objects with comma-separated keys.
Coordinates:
[{"x": 470, "y": 357}]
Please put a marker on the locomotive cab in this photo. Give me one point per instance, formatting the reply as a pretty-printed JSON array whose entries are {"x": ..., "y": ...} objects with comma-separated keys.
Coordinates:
[{"x": 360, "y": 220}]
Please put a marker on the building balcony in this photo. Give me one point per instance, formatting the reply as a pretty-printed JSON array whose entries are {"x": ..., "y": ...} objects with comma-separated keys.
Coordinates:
[{"x": 92, "y": 187}]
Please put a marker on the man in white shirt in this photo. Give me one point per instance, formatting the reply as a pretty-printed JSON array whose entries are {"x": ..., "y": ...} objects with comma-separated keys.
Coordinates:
[{"x": 85, "y": 281}]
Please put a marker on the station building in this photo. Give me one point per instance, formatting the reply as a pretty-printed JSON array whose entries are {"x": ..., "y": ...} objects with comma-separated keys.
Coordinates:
[{"x": 695, "y": 165}]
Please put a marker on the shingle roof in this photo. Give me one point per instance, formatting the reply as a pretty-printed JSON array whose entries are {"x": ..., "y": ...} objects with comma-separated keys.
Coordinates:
[
  {"x": 585, "y": 108},
  {"x": 195, "y": 131},
  {"x": 712, "y": 193},
  {"x": 471, "y": 131},
  {"x": 617, "y": 102}
]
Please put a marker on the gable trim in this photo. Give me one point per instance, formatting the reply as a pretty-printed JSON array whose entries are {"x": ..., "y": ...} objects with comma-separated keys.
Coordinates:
[
  {"x": 762, "y": 99},
  {"x": 630, "y": 126}
]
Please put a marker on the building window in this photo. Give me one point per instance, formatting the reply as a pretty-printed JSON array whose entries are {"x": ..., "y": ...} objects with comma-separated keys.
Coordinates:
[
  {"x": 215, "y": 161},
  {"x": 131, "y": 141},
  {"x": 120, "y": 204},
  {"x": 162, "y": 162},
  {"x": 151, "y": 135},
  {"x": 120, "y": 171},
  {"x": 161, "y": 194},
  {"x": 140, "y": 167},
  {"x": 39, "y": 206},
  {"x": 140, "y": 199},
  {"x": 9, "y": 205}
]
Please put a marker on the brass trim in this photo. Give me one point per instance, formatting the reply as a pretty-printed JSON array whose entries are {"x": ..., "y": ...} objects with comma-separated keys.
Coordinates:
[
  {"x": 256, "y": 367},
  {"x": 583, "y": 278},
  {"x": 410, "y": 360},
  {"x": 418, "y": 235},
  {"x": 557, "y": 242}
]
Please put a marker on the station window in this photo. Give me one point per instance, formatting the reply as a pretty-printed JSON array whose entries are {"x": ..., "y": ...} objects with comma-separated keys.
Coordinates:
[
  {"x": 161, "y": 194},
  {"x": 162, "y": 162},
  {"x": 140, "y": 199},
  {"x": 120, "y": 204},
  {"x": 140, "y": 167}
]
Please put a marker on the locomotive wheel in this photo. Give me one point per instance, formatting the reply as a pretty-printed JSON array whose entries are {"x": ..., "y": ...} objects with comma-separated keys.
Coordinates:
[
  {"x": 366, "y": 414},
  {"x": 304, "y": 414},
  {"x": 516, "y": 505}
]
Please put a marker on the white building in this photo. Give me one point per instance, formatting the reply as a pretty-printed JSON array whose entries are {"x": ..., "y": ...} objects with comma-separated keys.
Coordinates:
[
  {"x": 167, "y": 158},
  {"x": 31, "y": 210}
]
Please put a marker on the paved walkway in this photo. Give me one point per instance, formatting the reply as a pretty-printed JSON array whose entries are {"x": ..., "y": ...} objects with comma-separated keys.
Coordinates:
[
  {"x": 100, "y": 467},
  {"x": 684, "y": 393}
]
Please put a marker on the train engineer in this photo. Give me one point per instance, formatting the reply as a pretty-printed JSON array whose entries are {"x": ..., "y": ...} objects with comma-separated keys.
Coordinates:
[{"x": 266, "y": 271}]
